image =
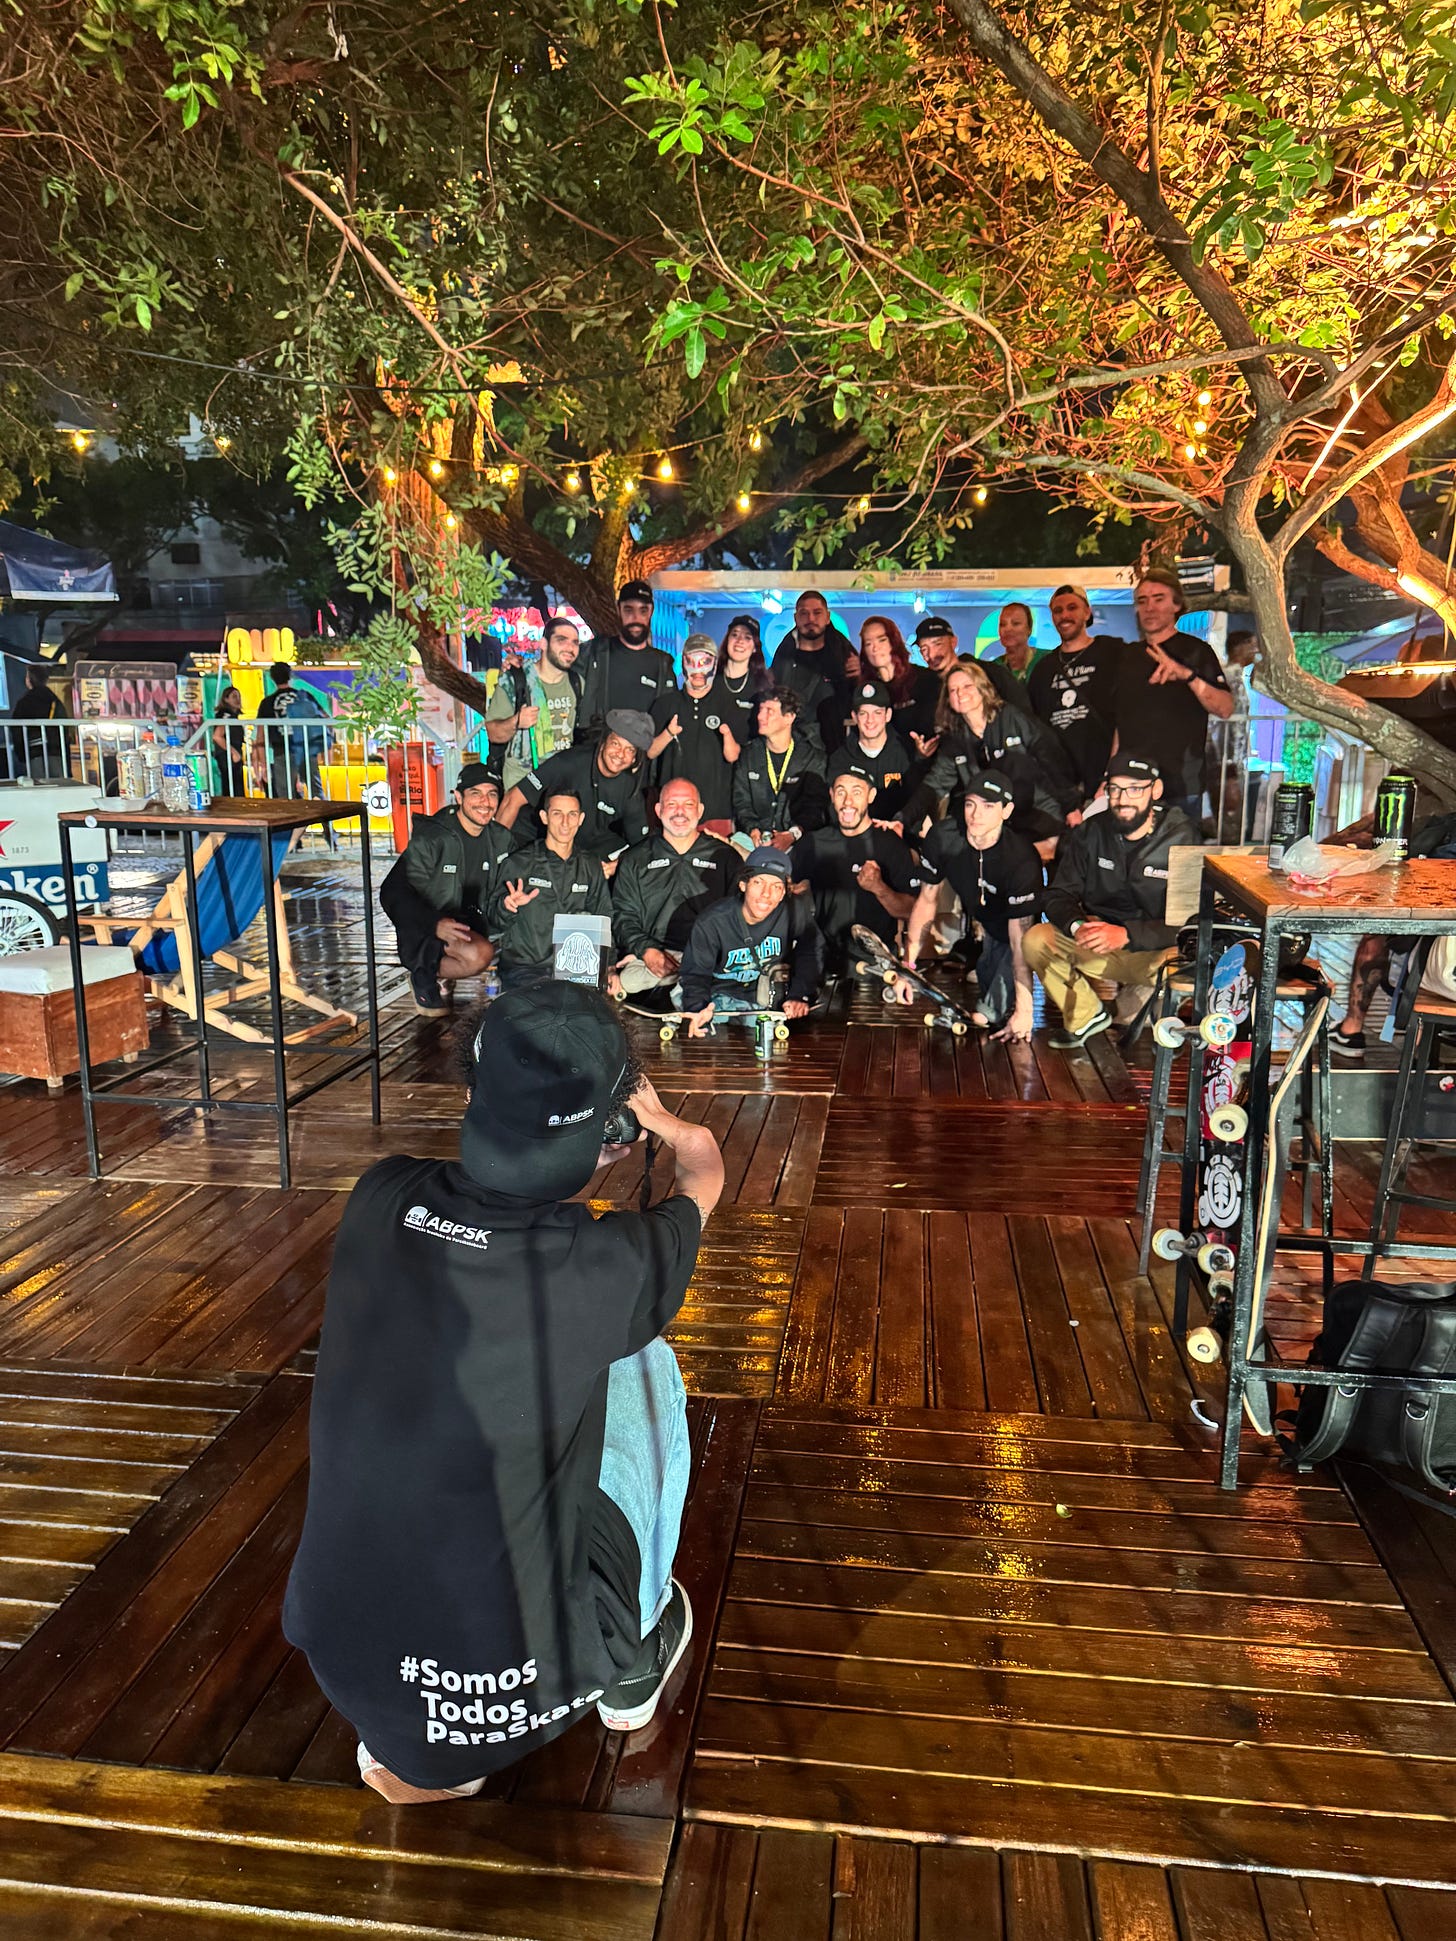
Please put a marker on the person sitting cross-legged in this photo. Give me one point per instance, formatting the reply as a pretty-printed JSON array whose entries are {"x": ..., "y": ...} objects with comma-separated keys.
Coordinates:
[
  {"x": 439, "y": 893},
  {"x": 760, "y": 950},
  {"x": 499, "y": 1439},
  {"x": 1105, "y": 909}
]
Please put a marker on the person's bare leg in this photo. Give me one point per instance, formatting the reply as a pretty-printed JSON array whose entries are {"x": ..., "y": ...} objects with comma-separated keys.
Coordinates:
[{"x": 1372, "y": 960}]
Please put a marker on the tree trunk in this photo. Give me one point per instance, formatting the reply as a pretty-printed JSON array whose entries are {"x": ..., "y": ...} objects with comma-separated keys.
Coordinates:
[{"x": 1281, "y": 676}]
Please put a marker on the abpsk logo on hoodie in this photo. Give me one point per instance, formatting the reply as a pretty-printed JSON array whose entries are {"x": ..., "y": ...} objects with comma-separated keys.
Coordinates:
[{"x": 419, "y": 1219}]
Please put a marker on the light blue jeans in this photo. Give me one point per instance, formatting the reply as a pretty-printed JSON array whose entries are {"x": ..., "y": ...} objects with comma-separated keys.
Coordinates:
[{"x": 646, "y": 1460}]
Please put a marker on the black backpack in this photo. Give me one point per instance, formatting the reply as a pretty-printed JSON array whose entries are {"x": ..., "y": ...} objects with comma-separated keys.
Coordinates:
[{"x": 1374, "y": 1324}]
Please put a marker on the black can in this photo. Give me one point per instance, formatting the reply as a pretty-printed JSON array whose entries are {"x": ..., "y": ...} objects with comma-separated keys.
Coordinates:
[
  {"x": 1291, "y": 818},
  {"x": 1395, "y": 812}
]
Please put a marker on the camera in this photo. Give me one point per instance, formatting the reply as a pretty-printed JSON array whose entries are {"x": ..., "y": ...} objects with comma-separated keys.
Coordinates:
[{"x": 622, "y": 1127}]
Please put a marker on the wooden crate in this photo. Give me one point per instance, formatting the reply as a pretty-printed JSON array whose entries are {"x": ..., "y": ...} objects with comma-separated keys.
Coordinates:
[{"x": 38, "y": 1028}]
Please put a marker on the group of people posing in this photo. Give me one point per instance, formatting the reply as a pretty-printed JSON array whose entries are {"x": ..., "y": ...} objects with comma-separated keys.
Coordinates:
[{"x": 738, "y": 827}]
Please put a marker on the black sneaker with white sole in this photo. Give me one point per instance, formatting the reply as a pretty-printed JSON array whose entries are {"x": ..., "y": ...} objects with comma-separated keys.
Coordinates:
[
  {"x": 1068, "y": 1040},
  {"x": 430, "y": 1001},
  {"x": 632, "y": 1701},
  {"x": 1347, "y": 1045}
]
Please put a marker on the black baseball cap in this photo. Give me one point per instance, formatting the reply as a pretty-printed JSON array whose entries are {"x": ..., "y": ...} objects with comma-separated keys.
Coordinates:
[
  {"x": 474, "y": 775},
  {"x": 767, "y": 861},
  {"x": 545, "y": 1067},
  {"x": 634, "y": 590},
  {"x": 1133, "y": 767},
  {"x": 871, "y": 694},
  {"x": 933, "y": 623},
  {"x": 990, "y": 787}
]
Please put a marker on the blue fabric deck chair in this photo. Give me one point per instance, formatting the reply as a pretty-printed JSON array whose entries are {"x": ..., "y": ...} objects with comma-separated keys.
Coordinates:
[{"x": 230, "y": 893}]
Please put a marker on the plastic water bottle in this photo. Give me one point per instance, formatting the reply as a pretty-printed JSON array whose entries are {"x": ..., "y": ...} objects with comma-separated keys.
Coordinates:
[
  {"x": 492, "y": 983},
  {"x": 176, "y": 784},
  {"x": 152, "y": 763}
]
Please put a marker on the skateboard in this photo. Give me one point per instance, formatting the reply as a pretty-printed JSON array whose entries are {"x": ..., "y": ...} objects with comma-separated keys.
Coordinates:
[
  {"x": 879, "y": 961},
  {"x": 769, "y": 1027}
]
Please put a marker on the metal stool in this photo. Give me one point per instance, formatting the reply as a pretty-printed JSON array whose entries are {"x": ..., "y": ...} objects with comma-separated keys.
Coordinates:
[
  {"x": 1427, "y": 1021},
  {"x": 1175, "y": 987}
]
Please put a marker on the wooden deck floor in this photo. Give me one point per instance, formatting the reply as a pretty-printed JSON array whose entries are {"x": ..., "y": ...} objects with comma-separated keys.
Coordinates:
[{"x": 982, "y": 1653}]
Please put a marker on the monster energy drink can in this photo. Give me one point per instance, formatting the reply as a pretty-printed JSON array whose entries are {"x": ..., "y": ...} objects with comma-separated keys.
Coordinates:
[
  {"x": 1290, "y": 819},
  {"x": 1395, "y": 810}
]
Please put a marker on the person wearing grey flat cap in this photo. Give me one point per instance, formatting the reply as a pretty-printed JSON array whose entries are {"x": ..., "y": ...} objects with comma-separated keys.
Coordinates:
[{"x": 606, "y": 776}]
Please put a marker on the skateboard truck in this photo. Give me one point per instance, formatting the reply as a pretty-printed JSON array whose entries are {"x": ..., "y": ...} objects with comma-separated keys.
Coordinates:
[
  {"x": 1213, "y": 1256},
  {"x": 1216, "y": 1030}
]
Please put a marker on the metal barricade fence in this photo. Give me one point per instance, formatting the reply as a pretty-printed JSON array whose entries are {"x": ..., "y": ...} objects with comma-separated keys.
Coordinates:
[{"x": 1253, "y": 752}]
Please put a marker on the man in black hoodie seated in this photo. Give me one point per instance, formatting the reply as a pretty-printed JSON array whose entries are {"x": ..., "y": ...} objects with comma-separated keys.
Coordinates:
[
  {"x": 1106, "y": 908},
  {"x": 438, "y": 895},
  {"x": 757, "y": 951},
  {"x": 499, "y": 1435}
]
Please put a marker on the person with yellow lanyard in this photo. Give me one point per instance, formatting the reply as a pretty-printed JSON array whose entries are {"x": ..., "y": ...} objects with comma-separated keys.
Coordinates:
[{"x": 779, "y": 788}]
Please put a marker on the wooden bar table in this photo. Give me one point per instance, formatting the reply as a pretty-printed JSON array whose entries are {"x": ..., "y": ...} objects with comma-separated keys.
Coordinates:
[
  {"x": 1413, "y": 899},
  {"x": 265, "y": 820}
]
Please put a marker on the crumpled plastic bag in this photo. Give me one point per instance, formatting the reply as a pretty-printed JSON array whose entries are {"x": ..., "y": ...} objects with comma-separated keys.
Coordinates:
[{"x": 1308, "y": 864}]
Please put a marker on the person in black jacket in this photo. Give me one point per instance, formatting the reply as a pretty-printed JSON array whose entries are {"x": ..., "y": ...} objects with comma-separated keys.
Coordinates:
[
  {"x": 1105, "y": 910},
  {"x": 779, "y": 789},
  {"x": 872, "y": 749},
  {"x": 819, "y": 663},
  {"x": 746, "y": 949},
  {"x": 980, "y": 731},
  {"x": 624, "y": 669},
  {"x": 661, "y": 888},
  {"x": 439, "y": 893},
  {"x": 605, "y": 776},
  {"x": 548, "y": 879}
]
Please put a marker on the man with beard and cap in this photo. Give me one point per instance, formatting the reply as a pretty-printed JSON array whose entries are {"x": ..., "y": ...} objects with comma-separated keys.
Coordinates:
[
  {"x": 624, "y": 669},
  {"x": 778, "y": 780},
  {"x": 498, "y": 1436},
  {"x": 662, "y": 887},
  {"x": 758, "y": 950},
  {"x": 606, "y": 777},
  {"x": 695, "y": 737},
  {"x": 438, "y": 895},
  {"x": 873, "y": 750},
  {"x": 855, "y": 872},
  {"x": 997, "y": 876},
  {"x": 545, "y": 880},
  {"x": 532, "y": 713},
  {"x": 819, "y": 663},
  {"x": 1072, "y": 689},
  {"x": 1106, "y": 909}
]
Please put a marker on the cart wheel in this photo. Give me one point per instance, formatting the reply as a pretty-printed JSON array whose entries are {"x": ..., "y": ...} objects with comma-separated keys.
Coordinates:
[
  {"x": 1216, "y": 1258},
  {"x": 887, "y": 996},
  {"x": 1228, "y": 1123},
  {"x": 1204, "y": 1345},
  {"x": 667, "y": 1033},
  {"x": 781, "y": 1033},
  {"x": 1169, "y": 1033},
  {"x": 1218, "y": 1028},
  {"x": 25, "y": 924},
  {"x": 958, "y": 1027},
  {"x": 1169, "y": 1244},
  {"x": 1220, "y": 1287}
]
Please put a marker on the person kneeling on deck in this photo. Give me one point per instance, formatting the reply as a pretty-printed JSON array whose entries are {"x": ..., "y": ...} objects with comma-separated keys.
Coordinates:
[
  {"x": 499, "y": 1439},
  {"x": 997, "y": 876},
  {"x": 758, "y": 951},
  {"x": 1105, "y": 910},
  {"x": 439, "y": 893},
  {"x": 538, "y": 884}
]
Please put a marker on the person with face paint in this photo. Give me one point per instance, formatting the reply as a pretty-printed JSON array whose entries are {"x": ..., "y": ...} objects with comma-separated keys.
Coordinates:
[
  {"x": 1072, "y": 689},
  {"x": 662, "y": 886},
  {"x": 758, "y": 950},
  {"x": 695, "y": 735},
  {"x": 855, "y": 872},
  {"x": 623, "y": 670},
  {"x": 1106, "y": 908},
  {"x": 439, "y": 893}
]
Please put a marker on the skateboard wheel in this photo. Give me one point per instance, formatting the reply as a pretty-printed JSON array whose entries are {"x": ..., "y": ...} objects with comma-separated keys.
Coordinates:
[
  {"x": 1217, "y": 1257},
  {"x": 781, "y": 1032},
  {"x": 862, "y": 969},
  {"x": 1169, "y": 1244},
  {"x": 1218, "y": 1028},
  {"x": 1220, "y": 1287},
  {"x": 667, "y": 1033},
  {"x": 957, "y": 1027},
  {"x": 1228, "y": 1123},
  {"x": 1169, "y": 1033},
  {"x": 887, "y": 996},
  {"x": 1204, "y": 1345}
]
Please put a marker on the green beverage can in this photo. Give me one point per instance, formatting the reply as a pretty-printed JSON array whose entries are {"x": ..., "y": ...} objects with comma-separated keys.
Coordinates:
[{"x": 1395, "y": 811}]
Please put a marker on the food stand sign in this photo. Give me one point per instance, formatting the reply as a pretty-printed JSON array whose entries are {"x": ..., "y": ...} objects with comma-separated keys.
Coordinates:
[{"x": 30, "y": 844}]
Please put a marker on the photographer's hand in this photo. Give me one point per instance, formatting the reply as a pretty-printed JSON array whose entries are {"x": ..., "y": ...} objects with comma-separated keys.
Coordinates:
[{"x": 699, "y": 1162}]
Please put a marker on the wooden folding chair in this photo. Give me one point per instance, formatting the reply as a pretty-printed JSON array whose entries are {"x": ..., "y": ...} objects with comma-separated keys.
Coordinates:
[{"x": 230, "y": 896}]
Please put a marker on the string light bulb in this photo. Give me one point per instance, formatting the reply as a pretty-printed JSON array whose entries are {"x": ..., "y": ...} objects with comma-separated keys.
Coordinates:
[
  {"x": 572, "y": 481},
  {"x": 223, "y": 442},
  {"x": 1190, "y": 451},
  {"x": 437, "y": 470},
  {"x": 1205, "y": 397},
  {"x": 1199, "y": 427},
  {"x": 864, "y": 505},
  {"x": 80, "y": 440},
  {"x": 980, "y": 495},
  {"x": 745, "y": 501},
  {"x": 451, "y": 521},
  {"x": 755, "y": 441},
  {"x": 509, "y": 474},
  {"x": 390, "y": 475},
  {"x": 664, "y": 469}
]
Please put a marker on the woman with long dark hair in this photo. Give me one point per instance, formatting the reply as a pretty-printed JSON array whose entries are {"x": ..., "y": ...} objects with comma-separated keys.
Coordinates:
[
  {"x": 743, "y": 677},
  {"x": 914, "y": 691}
]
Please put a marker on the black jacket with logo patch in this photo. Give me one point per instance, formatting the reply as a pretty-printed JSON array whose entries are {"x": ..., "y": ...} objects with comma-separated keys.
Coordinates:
[
  {"x": 564, "y": 885},
  {"x": 1101, "y": 874},
  {"x": 658, "y": 895}
]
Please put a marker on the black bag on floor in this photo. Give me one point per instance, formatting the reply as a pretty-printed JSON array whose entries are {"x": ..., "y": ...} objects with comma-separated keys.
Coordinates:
[{"x": 1375, "y": 1324}]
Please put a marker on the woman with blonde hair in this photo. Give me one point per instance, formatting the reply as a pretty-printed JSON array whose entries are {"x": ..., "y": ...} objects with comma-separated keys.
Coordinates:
[{"x": 980, "y": 732}]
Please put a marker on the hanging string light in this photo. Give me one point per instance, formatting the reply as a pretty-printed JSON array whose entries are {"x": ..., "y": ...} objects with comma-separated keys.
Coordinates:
[
  {"x": 389, "y": 475},
  {"x": 80, "y": 440},
  {"x": 451, "y": 521},
  {"x": 745, "y": 501},
  {"x": 572, "y": 481},
  {"x": 980, "y": 495},
  {"x": 755, "y": 440},
  {"x": 222, "y": 442},
  {"x": 864, "y": 505},
  {"x": 1205, "y": 398},
  {"x": 437, "y": 470},
  {"x": 664, "y": 469}
]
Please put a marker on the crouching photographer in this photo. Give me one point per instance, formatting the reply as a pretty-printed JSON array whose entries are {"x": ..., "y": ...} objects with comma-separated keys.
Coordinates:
[{"x": 499, "y": 1436}]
